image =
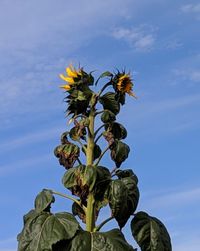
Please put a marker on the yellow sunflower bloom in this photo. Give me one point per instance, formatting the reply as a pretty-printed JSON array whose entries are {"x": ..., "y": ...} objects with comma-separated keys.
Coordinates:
[
  {"x": 70, "y": 78},
  {"x": 125, "y": 84}
]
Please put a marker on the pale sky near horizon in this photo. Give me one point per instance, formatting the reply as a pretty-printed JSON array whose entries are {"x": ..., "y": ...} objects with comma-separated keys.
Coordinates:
[{"x": 158, "y": 42}]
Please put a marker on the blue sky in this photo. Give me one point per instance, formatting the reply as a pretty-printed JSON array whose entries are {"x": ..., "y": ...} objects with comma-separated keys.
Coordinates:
[{"x": 158, "y": 41}]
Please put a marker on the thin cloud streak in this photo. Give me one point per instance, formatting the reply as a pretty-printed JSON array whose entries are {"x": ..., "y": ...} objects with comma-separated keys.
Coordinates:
[
  {"x": 176, "y": 198},
  {"x": 23, "y": 164},
  {"x": 35, "y": 137}
]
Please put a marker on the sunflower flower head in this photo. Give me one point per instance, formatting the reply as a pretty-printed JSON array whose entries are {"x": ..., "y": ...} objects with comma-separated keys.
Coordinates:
[
  {"x": 124, "y": 84},
  {"x": 72, "y": 77}
]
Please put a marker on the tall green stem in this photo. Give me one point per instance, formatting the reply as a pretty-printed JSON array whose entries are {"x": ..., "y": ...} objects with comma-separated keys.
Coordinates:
[{"x": 90, "y": 213}]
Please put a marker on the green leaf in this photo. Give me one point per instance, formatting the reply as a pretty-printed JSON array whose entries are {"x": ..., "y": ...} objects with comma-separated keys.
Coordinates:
[
  {"x": 81, "y": 242},
  {"x": 123, "y": 199},
  {"x": 76, "y": 133},
  {"x": 117, "y": 129},
  {"x": 102, "y": 186},
  {"x": 103, "y": 75},
  {"x": 90, "y": 177},
  {"x": 112, "y": 240},
  {"x": 110, "y": 103},
  {"x": 45, "y": 229},
  {"x": 119, "y": 152},
  {"x": 74, "y": 179},
  {"x": 126, "y": 173},
  {"x": 105, "y": 241},
  {"x": 44, "y": 200},
  {"x": 77, "y": 210},
  {"x": 108, "y": 116},
  {"x": 150, "y": 233},
  {"x": 133, "y": 194},
  {"x": 106, "y": 74},
  {"x": 67, "y": 154},
  {"x": 118, "y": 195},
  {"x": 69, "y": 178}
]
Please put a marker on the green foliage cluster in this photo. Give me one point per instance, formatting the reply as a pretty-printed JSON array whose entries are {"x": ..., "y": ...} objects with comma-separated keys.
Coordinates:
[{"x": 93, "y": 186}]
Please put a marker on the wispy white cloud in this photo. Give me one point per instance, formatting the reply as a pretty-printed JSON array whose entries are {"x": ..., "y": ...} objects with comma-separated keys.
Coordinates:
[
  {"x": 175, "y": 198},
  {"x": 141, "y": 38},
  {"x": 24, "y": 163},
  {"x": 192, "y": 75},
  {"x": 25, "y": 27},
  {"x": 31, "y": 138},
  {"x": 193, "y": 8}
]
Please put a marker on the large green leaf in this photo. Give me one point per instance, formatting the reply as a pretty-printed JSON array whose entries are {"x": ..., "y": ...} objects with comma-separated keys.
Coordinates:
[
  {"x": 112, "y": 240},
  {"x": 105, "y": 241},
  {"x": 44, "y": 200},
  {"x": 123, "y": 199},
  {"x": 44, "y": 229},
  {"x": 81, "y": 242},
  {"x": 102, "y": 187},
  {"x": 150, "y": 233},
  {"x": 133, "y": 194},
  {"x": 118, "y": 195},
  {"x": 110, "y": 103},
  {"x": 119, "y": 152},
  {"x": 80, "y": 180},
  {"x": 90, "y": 177}
]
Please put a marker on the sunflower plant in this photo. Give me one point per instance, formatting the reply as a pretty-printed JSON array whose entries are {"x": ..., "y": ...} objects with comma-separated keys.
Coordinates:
[{"x": 93, "y": 118}]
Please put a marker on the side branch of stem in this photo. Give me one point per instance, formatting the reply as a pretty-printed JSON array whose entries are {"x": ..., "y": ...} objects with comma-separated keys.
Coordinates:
[{"x": 70, "y": 198}]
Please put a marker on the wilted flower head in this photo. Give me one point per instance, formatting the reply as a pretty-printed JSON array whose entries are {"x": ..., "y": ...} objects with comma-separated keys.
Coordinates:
[{"x": 123, "y": 83}]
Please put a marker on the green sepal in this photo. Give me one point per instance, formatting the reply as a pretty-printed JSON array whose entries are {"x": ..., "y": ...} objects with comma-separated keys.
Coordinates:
[
  {"x": 119, "y": 152},
  {"x": 78, "y": 100},
  {"x": 110, "y": 103},
  {"x": 43, "y": 201},
  {"x": 117, "y": 129},
  {"x": 44, "y": 229},
  {"x": 108, "y": 116},
  {"x": 150, "y": 233}
]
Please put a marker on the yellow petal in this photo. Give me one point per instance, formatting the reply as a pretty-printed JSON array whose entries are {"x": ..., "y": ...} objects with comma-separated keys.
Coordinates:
[
  {"x": 71, "y": 72},
  {"x": 67, "y": 79},
  {"x": 66, "y": 87}
]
